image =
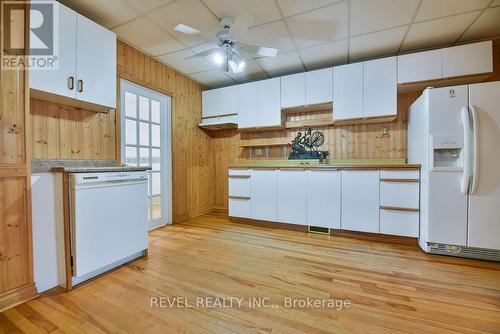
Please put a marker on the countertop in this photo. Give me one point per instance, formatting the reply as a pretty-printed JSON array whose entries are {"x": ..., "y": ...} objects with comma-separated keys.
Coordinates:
[
  {"x": 336, "y": 163},
  {"x": 80, "y": 166}
]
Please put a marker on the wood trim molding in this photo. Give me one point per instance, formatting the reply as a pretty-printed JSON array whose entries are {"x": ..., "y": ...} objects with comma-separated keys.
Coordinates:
[
  {"x": 17, "y": 296},
  {"x": 221, "y": 115},
  {"x": 239, "y": 176},
  {"x": 395, "y": 208},
  {"x": 239, "y": 197},
  {"x": 400, "y": 180},
  {"x": 67, "y": 234}
]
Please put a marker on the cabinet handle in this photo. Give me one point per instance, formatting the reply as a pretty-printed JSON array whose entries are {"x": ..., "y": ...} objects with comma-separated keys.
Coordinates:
[
  {"x": 71, "y": 82},
  {"x": 80, "y": 86}
]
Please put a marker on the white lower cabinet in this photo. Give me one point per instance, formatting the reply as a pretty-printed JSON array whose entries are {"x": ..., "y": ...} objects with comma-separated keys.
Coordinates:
[
  {"x": 239, "y": 207},
  {"x": 323, "y": 198},
  {"x": 395, "y": 222},
  {"x": 239, "y": 192},
  {"x": 360, "y": 201},
  {"x": 292, "y": 195},
  {"x": 263, "y": 196}
]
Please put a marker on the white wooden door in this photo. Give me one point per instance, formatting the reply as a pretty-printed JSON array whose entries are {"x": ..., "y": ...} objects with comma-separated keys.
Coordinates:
[
  {"x": 228, "y": 100},
  {"x": 96, "y": 63},
  {"x": 248, "y": 112},
  {"x": 360, "y": 201},
  {"x": 269, "y": 102},
  {"x": 292, "y": 196},
  {"x": 348, "y": 92},
  {"x": 468, "y": 59},
  {"x": 323, "y": 198},
  {"x": 380, "y": 87},
  {"x": 319, "y": 86},
  {"x": 210, "y": 102},
  {"x": 420, "y": 66},
  {"x": 62, "y": 81},
  {"x": 293, "y": 90},
  {"x": 263, "y": 202}
]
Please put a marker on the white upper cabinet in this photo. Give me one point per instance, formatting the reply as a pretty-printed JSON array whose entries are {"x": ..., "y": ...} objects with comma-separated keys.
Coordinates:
[
  {"x": 292, "y": 196},
  {"x": 348, "y": 92},
  {"x": 420, "y": 66},
  {"x": 468, "y": 59},
  {"x": 269, "y": 103},
  {"x": 229, "y": 100},
  {"x": 61, "y": 81},
  {"x": 248, "y": 112},
  {"x": 210, "y": 103},
  {"x": 319, "y": 86},
  {"x": 87, "y": 64},
  {"x": 380, "y": 87},
  {"x": 293, "y": 90}
]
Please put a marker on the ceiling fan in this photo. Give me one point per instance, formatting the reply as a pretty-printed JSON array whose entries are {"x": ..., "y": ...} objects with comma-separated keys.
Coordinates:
[{"x": 230, "y": 53}]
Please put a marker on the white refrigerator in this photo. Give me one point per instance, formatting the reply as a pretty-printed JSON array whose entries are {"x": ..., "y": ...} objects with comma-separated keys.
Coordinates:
[{"x": 454, "y": 133}]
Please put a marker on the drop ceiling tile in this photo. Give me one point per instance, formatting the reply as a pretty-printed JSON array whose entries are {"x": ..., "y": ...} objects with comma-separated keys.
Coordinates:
[
  {"x": 212, "y": 78},
  {"x": 292, "y": 7},
  {"x": 495, "y": 3},
  {"x": 438, "y": 32},
  {"x": 147, "y": 5},
  {"x": 252, "y": 71},
  {"x": 262, "y": 10},
  {"x": 374, "y": 15},
  {"x": 320, "y": 26},
  {"x": 382, "y": 43},
  {"x": 431, "y": 9},
  {"x": 204, "y": 46},
  {"x": 178, "y": 61},
  {"x": 147, "y": 36},
  {"x": 326, "y": 54},
  {"x": 284, "y": 63},
  {"x": 189, "y": 12},
  {"x": 488, "y": 24},
  {"x": 272, "y": 34},
  {"x": 108, "y": 13}
]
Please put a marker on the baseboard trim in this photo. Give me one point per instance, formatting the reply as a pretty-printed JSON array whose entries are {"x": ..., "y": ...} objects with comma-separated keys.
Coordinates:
[
  {"x": 191, "y": 215},
  {"x": 17, "y": 296}
]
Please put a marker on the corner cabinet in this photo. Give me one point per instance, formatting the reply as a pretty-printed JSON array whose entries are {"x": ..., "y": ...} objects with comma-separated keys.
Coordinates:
[{"x": 86, "y": 74}]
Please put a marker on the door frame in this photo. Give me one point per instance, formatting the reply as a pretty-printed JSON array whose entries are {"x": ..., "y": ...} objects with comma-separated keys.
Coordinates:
[{"x": 166, "y": 150}]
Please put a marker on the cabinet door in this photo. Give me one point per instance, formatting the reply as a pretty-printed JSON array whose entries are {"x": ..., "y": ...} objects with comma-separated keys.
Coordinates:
[
  {"x": 420, "y": 66},
  {"x": 348, "y": 92},
  {"x": 319, "y": 86},
  {"x": 293, "y": 90},
  {"x": 292, "y": 196},
  {"x": 210, "y": 103},
  {"x": 360, "y": 201},
  {"x": 59, "y": 81},
  {"x": 269, "y": 102},
  {"x": 239, "y": 207},
  {"x": 468, "y": 59},
  {"x": 323, "y": 198},
  {"x": 380, "y": 87},
  {"x": 229, "y": 100},
  {"x": 263, "y": 203},
  {"x": 96, "y": 63},
  {"x": 248, "y": 112}
]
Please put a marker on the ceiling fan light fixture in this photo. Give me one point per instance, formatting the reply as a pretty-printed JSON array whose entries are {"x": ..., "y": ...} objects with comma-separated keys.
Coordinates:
[{"x": 218, "y": 58}]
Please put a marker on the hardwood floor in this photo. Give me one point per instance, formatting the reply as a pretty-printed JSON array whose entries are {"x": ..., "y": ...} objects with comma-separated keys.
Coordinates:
[{"x": 392, "y": 288}]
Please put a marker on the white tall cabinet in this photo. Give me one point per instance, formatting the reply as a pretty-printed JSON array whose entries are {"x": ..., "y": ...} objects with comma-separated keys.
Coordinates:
[
  {"x": 360, "y": 200},
  {"x": 323, "y": 198},
  {"x": 292, "y": 196},
  {"x": 264, "y": 194}
]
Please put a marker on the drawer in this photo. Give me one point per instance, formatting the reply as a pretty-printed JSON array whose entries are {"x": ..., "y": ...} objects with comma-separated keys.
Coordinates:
[
  {"x": 239, "y": 186},
  {"x": 399, "y": 174},
  {"x": 239, "y": 207},
  {"x": 402, "y": 223},
  {"x": 399, "y": 194},
  {"x": 241, "y": 172}
]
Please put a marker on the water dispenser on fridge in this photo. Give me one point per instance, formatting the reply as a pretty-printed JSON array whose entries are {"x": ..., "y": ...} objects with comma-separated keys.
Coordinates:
[{"x": 446, "y": 153}]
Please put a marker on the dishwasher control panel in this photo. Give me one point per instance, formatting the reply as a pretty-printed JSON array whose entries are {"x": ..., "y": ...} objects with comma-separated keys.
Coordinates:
[{"x": 115, "y": 176}]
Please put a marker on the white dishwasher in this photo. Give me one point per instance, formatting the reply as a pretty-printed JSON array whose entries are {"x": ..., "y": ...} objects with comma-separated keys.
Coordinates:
[{"x": 109, "y": 221}]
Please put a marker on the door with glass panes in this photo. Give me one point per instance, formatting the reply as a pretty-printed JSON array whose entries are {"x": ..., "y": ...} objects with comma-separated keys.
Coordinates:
[{"x": 145, "y": 138}]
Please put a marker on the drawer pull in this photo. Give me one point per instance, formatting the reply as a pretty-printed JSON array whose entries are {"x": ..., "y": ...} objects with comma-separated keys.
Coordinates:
[
  {"x": 239, "y": 197},
  {"x": 239, "y": 176},
  {"x": 400, "y": 180},
  {"x": 394, "y": 208}
]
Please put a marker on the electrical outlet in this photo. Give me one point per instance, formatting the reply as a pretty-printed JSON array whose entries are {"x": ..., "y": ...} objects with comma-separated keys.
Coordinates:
[
  {"x": 385, "y": 131},
  {"x": 258, "y": 151}
]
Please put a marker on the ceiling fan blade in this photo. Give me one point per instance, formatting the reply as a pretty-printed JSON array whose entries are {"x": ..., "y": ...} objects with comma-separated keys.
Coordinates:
[
  {"x": 259, "y": 51},
  {"x": 240, "y": 26},
  {"x": 205, "y": 53}
]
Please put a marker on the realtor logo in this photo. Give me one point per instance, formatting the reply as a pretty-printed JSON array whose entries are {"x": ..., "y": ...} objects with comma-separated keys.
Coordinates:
[{"x": 42, "y": 53}]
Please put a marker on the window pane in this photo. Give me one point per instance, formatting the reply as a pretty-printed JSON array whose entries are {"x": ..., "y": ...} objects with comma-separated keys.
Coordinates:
[
  {"x": 131, "y": 156},
  {"x": 156, "y": 207},
  {"x": 130, "y": 105},
  {"x": 130, "y": 132},
  {"x": 155, "y": 135},
  {"x": 155, "y": 183},
  {"x": 144, "y": 157},
  {"x": 143, "y": 108},
  {"x": 144, "y": 133},
  {"x": 155, "y": 159},
  {"x": 155, "y": 111}
]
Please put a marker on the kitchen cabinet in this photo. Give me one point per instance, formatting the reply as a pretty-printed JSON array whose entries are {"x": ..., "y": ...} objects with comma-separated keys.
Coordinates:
[
  {"x": 419, "y": 66},
  {"x": 348, "y": 92},
  {"x": 239, "y": 193},
  {"x": 323, "y": 198},
  {"x": 292, "y": 195},
  {"x": 248, "y": 97},
  {"x": 264, "y": 194},
  {"x": 219, "y": 102},
  {"x": 87, "y": 65},
  {"x": 293, "y": 90},
  {"x": 402, "y": 223},
  {"x": 380, "y": 88},
  {"x": 319, "y": 86},
  {"x": 259, "y": 104},
  {"x": 468, "y": 59},
  {"x": 360, "y": 200}
]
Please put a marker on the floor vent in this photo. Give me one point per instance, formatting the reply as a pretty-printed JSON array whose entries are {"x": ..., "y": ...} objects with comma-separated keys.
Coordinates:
[
  {"x": 319, "y": 230},
  {"x": 464, "y": 251}
]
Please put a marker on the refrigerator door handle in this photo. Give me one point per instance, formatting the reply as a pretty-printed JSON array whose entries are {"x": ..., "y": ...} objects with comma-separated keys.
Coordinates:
[
  {"x": 475, "y": 152},
  {"x": 464, "y": 183}
]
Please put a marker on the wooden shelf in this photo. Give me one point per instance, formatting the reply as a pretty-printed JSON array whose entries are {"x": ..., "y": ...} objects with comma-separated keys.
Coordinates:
[
  {"x": 308, "y": 123},
  {"x": 309, "y": 108},
  {"x": 264, "y": 145}
]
